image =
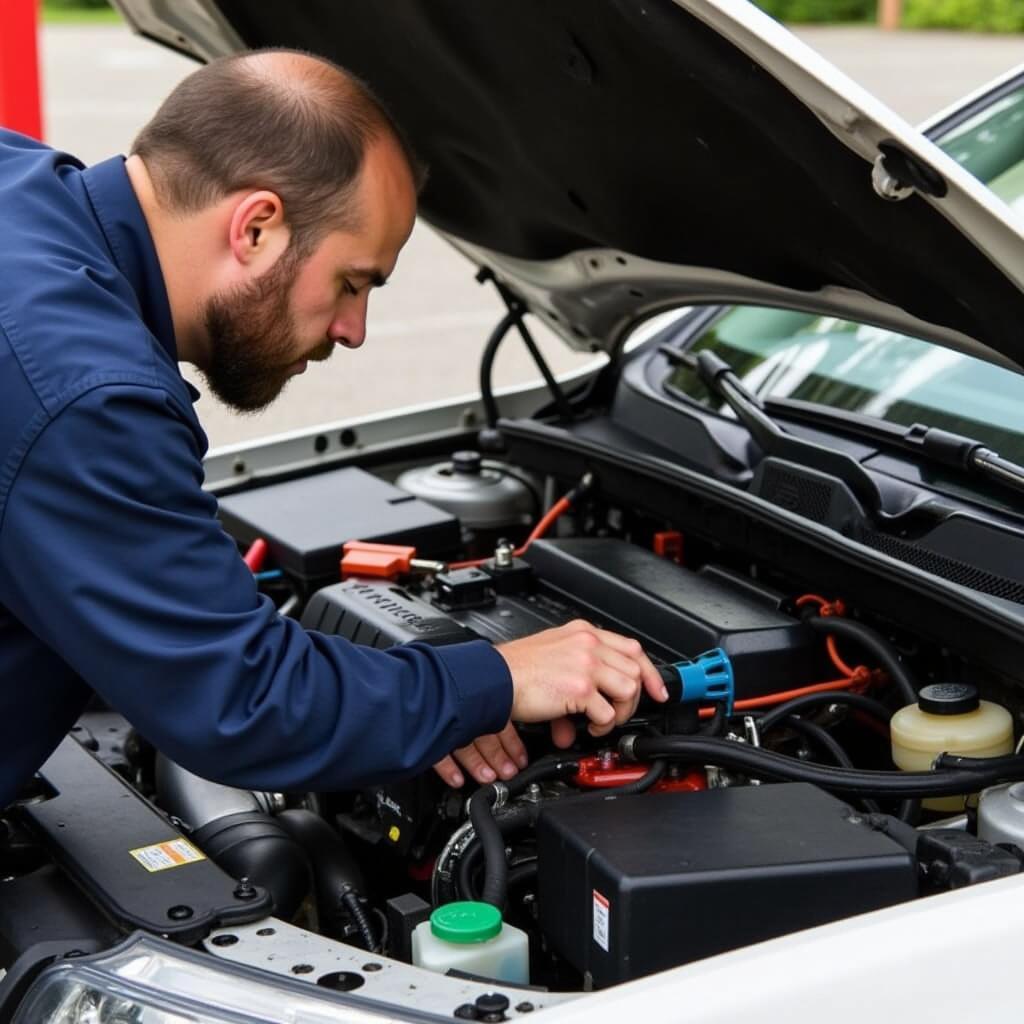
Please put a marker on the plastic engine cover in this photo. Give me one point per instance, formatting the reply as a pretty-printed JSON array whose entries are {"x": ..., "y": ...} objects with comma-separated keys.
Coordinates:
[
  {"x": 674, "y": 612},
  {"x": 636, "y": 884}
]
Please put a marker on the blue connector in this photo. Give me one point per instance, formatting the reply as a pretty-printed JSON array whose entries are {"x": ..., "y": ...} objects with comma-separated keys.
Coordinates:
[{"x": 707, "y": 678}]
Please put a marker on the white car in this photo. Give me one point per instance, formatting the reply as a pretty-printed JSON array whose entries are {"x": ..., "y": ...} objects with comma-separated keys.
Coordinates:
[{"x": 796, "y": 479}]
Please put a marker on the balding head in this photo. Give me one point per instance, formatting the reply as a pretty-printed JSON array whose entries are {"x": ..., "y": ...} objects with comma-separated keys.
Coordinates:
[{"x": 280, "y": 120}]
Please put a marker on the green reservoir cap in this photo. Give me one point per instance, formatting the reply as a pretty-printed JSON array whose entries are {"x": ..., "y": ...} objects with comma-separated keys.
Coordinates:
[{"x": 466, "y": 922}]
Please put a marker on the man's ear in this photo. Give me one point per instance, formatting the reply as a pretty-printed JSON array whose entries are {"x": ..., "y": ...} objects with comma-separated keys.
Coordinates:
[{"x": 257, "y": 232}]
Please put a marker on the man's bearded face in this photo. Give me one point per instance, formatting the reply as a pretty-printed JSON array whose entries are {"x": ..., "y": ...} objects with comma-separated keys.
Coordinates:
[{"x": 253, "y": 347}]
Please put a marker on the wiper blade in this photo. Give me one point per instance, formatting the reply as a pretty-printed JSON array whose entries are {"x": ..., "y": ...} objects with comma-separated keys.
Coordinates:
[
  {"x": 964, "y": 453},
  {"x": 772, "y": 438}
]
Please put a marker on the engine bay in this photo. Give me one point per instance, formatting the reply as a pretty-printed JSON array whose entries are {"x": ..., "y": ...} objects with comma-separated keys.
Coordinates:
[{"x": 768, "y": 795}]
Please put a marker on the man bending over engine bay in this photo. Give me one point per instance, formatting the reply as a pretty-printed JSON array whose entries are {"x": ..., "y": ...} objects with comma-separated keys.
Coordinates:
[{"x": 261, "y": 204}]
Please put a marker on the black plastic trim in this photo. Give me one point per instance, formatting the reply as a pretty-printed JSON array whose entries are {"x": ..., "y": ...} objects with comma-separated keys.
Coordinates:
[{"x": 91, "y": 825}]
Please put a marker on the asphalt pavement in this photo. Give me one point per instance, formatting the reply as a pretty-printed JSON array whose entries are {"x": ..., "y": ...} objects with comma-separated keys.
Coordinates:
[{"x": 427, "y": 327}]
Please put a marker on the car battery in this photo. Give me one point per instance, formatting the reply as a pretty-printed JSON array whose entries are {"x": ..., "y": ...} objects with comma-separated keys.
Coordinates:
[
  {"x": 307, "y": 520},
  {"x": 632, "y": 885}
]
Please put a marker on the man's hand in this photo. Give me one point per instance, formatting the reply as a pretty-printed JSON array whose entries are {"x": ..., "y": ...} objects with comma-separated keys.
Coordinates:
[
  {"x": 497, "y": 756},
  {"x": 576, "y": 668}
]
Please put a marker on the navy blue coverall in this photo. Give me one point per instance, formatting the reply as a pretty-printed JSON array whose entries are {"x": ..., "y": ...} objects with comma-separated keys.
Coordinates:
[{"x": 115, "y": 575}]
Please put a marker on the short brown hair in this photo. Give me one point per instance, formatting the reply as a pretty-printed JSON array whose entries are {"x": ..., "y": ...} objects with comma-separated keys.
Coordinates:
[{"x": 234, "y": 125}]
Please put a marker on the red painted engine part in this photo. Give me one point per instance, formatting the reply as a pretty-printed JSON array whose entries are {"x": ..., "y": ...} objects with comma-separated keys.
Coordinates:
[{"x": 606, "y": 771}]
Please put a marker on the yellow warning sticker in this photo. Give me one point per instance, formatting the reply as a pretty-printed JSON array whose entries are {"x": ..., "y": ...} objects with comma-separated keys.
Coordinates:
[{"x": 173, "y": 854}]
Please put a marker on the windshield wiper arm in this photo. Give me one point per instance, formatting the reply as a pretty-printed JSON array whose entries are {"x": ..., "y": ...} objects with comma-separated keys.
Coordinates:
[
  {"x": 772, "y": 439},
  {"x": 963, "y": 453},
  {"x": 966, "y": 454}
]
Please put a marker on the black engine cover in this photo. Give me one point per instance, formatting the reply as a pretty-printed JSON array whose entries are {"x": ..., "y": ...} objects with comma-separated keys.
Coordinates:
[
  {"x": 676, "y": 613},
  {"x": 632, "y": 885}
]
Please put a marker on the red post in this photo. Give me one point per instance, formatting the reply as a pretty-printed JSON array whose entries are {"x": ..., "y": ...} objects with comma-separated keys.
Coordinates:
[{"x": 20, "y": 106}]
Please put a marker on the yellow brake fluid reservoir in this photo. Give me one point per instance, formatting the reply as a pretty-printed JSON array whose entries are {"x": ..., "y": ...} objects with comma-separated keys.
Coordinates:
[{"x": 949, "y": 718}]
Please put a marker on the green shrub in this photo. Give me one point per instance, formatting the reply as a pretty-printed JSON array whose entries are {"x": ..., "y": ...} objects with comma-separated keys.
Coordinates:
[
  {"x": 819, "y": 10},
  {"x": 982, "y": 15}
]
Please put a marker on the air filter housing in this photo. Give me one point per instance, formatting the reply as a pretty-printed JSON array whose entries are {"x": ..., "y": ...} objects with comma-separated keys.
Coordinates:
[{"x": 635, "y": 884}]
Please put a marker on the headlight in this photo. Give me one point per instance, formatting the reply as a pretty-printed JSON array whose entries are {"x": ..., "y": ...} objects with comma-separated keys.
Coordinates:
[{"x": 151, "y": 981}]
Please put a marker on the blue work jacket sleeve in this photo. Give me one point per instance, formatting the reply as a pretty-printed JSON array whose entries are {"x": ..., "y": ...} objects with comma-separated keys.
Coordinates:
[{"x": 113, "y": 557}]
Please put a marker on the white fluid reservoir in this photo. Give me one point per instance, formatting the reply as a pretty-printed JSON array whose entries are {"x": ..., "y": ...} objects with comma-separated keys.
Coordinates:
[
  {"x": 949, "y": 718},
  {"x": 471, "y": 937}
]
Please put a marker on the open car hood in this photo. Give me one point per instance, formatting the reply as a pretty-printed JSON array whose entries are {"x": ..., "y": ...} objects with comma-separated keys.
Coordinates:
[{"x": 610, "y": 158}]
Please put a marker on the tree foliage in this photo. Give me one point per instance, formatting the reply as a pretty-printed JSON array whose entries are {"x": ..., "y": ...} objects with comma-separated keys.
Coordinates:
[
  {"x": 980, "y": 15},
  {"x": 819, "y": 10},
  {"x": 977, "y": 15}
]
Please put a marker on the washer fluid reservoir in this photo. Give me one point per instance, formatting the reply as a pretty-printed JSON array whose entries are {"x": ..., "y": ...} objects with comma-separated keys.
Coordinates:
[
  {"x": 489, "y": 497},
  {"x": 471, "y": 937},
  {"x": 949, "y": 718}
]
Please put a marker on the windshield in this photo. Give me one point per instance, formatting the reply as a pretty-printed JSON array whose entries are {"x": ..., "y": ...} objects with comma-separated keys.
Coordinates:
[{"x": 876, "y": 372}]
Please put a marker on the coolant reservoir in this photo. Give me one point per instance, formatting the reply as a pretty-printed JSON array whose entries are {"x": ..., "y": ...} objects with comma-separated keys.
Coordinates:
[
  {"x": 948, "y": 718},
  {"x": 471, "y": 937}
]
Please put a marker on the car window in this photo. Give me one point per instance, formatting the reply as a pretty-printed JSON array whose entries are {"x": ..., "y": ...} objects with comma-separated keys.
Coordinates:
[
  {"x": 865, "y": 370},
  {"x": 877, "y": 372},
  {"x": 991, "y": 146}
]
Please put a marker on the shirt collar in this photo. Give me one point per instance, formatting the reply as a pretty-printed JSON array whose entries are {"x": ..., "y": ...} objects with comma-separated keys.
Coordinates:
[{"x": 124, "y": 225}]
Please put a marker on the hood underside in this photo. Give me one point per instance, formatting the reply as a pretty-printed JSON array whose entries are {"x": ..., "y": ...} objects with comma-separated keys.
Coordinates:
[{"x": 696, "y": 134}]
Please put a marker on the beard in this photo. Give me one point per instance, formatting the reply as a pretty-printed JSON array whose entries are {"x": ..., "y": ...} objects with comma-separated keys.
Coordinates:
[{"x": 253, "y": 349}]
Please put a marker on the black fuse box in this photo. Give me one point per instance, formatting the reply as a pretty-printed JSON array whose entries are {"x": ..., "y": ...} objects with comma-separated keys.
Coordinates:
[
  {"x": 636, "y": 884},
  {"x": 306, "y": 521}
]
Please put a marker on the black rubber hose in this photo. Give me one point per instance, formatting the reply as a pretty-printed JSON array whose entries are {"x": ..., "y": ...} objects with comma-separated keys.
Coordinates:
[
  {"x": 467, "y": 865},
  {"x": 955, "y": 762},
  {"x": 822, "y": 737},
  {"x": 800, "y": 705},
  {"x": 829, "y": 743},
  {"x": 874, "y": 642},
  {"x": 487, "y": 365},
  {"x": 561, "y": 402},
  {"x": 350, "y": 899},
  {"x": 649, "y": 778},
  {"x": 553, "y": 766},
  {"x": 335, "y": 872},
  {"x": 520, "y": 873},
  {"x": 511, "y": 821},
  {"x": 765, "y": 763},
  {"x": 514, "y": 305},
  {"x": 254, "y": 845},
  {"x": 487, "y": 830}
]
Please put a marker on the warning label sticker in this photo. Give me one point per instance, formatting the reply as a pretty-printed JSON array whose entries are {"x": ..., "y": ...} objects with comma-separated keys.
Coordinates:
[
  {"x": 601, "y": 920},
  {"x": 172, "y": 854}
]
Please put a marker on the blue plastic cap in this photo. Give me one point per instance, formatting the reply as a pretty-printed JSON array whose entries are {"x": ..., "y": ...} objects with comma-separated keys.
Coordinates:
[{"x": 708, "y": 677}]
